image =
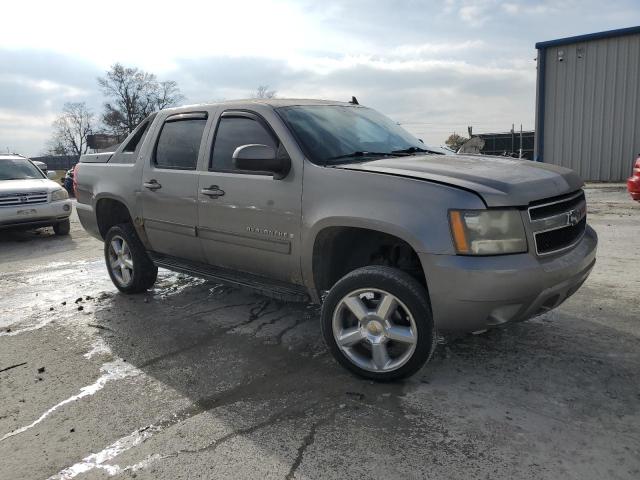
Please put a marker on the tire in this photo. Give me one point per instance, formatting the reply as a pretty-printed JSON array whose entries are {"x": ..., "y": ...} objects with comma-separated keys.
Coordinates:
[
  {"x": 62, "y": 228},
  {"x": 131, "y": 270},
  {"x": 392, "y": 335}
]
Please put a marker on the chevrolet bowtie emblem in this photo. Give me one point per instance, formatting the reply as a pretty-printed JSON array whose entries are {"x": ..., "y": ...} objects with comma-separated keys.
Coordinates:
[{"x": 573, "y": 217}]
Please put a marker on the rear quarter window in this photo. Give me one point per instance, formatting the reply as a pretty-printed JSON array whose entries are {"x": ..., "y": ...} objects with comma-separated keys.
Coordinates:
[{"x": 132, "y": 144}]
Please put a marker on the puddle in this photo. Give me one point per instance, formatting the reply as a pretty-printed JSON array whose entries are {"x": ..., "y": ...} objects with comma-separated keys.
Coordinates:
[
  {"x": 171, "y": 283},
  {"x": 33, "y": 299}
]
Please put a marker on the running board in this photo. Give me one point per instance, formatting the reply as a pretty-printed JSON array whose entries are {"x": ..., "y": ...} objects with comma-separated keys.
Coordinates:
[{"x": 271, "y": 288}]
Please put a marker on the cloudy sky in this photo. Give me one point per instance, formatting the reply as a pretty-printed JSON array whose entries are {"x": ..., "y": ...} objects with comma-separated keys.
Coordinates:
[{"x": 434, "y": 66}]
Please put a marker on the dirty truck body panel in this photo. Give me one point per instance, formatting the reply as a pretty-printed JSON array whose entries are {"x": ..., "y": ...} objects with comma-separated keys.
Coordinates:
[
  {"x": 500, "y": 181},
  {"x": 208, "y": 214}
]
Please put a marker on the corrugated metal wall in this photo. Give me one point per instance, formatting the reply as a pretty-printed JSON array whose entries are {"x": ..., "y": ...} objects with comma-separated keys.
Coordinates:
[{"x": 592, "y": 107}]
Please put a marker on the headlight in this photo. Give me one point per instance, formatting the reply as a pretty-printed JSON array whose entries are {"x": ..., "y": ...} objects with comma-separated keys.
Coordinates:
[
  {"x": 487, "y": 232},
  {"x": 60, "y": 194}
]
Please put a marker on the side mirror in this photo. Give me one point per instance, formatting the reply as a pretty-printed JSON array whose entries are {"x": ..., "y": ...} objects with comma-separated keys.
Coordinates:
[
  {"x": 261, "y": 158},
  {"x": 51, "y": 174}
]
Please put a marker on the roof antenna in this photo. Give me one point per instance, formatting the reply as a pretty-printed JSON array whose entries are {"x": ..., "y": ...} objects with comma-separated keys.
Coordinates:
[{"x": 354, "y": 101}]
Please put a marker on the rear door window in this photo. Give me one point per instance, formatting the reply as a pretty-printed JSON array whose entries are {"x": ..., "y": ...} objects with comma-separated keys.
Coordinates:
[{"x": 179, "y": 143}]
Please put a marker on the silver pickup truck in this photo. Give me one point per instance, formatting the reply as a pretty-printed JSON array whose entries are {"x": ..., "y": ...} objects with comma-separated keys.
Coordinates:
[{"x": 334, "y": 203}]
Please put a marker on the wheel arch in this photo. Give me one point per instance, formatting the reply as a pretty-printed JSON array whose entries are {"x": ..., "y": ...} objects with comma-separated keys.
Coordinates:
[
  {"x": 111, "y": 211},
  {"x": 335, "y": 248}
]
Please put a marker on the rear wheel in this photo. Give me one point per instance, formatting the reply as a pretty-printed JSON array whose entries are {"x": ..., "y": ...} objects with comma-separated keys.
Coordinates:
[
  {"x": 130, "y": 268},
  {"x": 377, "y": 322},
  {"x": 62, "y": 228}
]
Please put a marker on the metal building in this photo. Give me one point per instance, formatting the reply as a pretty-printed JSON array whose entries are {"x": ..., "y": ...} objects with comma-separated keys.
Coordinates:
[{"x": 588, "y": 103}]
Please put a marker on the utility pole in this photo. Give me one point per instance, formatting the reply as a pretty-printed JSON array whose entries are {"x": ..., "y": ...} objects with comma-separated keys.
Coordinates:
[
  {"x": 513, "y": 139},
  {"x": 520, "y": 153}
]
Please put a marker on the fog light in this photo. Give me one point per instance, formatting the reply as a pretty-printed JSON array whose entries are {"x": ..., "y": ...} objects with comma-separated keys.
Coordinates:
[{"x": 66, "y": 207}]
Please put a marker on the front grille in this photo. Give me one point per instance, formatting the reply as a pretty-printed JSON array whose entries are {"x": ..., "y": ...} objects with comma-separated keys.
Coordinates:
[
  {"x": 558, "y": 223},
  {"x": 554, "y": 240},
  {"x": 556, "y": 207},
  {"x": 19, "y": 199}
]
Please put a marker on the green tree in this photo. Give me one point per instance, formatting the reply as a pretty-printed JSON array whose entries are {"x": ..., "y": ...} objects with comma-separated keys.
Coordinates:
[{"x": 455, "y": 141}]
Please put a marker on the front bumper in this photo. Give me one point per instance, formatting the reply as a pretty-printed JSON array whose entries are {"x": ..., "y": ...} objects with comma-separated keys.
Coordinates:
[
  {"x": 32, "y": 216},
  {"x": 474, "y": 293}
]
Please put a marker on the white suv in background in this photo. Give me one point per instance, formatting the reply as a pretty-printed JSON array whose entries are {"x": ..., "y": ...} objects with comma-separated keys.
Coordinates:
[{"x": 28, "y": 199}]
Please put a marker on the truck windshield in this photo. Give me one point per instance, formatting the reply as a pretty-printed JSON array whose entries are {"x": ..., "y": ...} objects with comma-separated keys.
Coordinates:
[
  {"x": 333, "y": 134},
  {"x": 18, "y": 169}
]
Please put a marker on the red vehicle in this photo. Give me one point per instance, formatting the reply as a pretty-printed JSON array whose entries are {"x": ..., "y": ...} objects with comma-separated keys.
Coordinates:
[{"x": 633, "y": 183}]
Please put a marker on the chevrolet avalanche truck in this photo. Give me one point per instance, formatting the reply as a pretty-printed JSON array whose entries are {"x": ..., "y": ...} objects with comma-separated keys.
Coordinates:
[
  {"x": 336, "y": 204},
  {"x": 28, "y": 199}
]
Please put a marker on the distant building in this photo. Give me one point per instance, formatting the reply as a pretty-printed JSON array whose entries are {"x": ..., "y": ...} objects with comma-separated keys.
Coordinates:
[
  {"x": 588, "y": 103},
  {"x": 509, "y": 144},
  {"x": 58, "y": 162}
]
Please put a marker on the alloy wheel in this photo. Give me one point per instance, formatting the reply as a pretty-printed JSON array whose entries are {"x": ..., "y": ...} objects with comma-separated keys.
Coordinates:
[
  {"x": 120, "y": 260},
  {"x": 375, "y": 330}
]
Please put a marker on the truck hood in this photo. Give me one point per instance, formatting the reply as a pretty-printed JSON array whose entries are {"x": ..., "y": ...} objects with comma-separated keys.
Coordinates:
[
  {"x": 28, "y": 185},
  {"x": 500, "y": 181}
]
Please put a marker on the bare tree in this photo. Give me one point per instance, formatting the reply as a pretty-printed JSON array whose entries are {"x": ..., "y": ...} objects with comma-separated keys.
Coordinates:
[
  {"x": 263, "y": 92},
  {"x": 134, "y": 94},
  {"x": 167, "y": 95},
  {"x": 70, "y": 130}
]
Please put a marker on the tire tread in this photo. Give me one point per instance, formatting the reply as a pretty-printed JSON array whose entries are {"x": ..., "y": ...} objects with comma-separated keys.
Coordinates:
[{"x": 145, "y": 271}]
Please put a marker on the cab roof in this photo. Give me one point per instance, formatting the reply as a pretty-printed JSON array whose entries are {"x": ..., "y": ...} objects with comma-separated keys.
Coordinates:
[
  {"x": 272, "y": 102},
  {"x": 11, "y": 156}
]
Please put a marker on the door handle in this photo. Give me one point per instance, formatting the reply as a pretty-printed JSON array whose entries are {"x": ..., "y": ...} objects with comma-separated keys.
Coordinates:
[
  {"x": 213, "y": 191},
  {"x": 152, "y": 185}
]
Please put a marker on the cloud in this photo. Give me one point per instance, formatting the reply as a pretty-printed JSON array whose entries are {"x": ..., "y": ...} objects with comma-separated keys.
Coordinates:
[
  {"x": 436, "y": 66},
  {"x": 525, "y": 8},
  {"x": 436, "y": 49},
  {"x": 24, "y": 133},
  {"x": 475, "y": 14},
  {"x": 433, "y": 96}
]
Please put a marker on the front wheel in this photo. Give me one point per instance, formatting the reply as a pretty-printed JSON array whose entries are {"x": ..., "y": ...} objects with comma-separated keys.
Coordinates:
[
  {"x": 62, "y": 228},
  {"x": 130, "y": 268},
  {"x": 377, "y": 323}
]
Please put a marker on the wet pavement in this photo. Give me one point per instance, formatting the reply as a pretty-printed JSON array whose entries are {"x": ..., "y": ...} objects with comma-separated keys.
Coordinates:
[{"x": 197, "y": 380}]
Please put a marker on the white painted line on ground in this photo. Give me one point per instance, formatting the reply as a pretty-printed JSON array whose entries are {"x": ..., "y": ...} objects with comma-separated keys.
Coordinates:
[
  {"x": 116, "y": 370},
  {"x": 97, "y": 460}
]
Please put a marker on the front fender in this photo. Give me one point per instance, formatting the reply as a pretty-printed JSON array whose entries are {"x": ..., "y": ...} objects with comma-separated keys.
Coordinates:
[{"x": 415, "y": 211}]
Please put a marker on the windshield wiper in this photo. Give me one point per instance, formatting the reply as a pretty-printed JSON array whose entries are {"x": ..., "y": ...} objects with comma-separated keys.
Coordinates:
[
  {"x": 413, "y": 150},
  {"x": 362, "y": 153},
  {"x": 410, "y": 150}
]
